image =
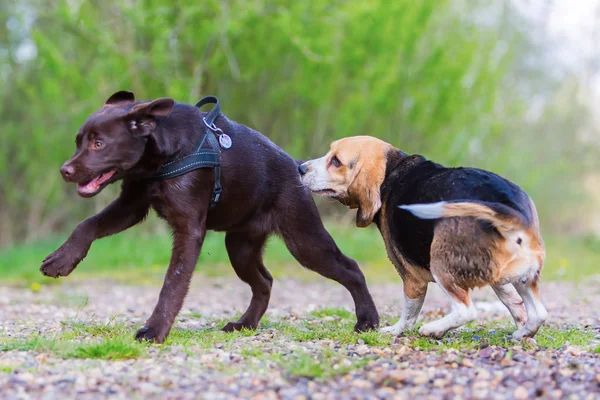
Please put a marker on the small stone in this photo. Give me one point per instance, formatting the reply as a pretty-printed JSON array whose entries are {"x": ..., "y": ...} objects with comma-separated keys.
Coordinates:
[
  {"x": 440, "y": 383},
  {"x": 41, "y": 358},
  {"x": 573, "y": 351},
  {"x": 521, "y": 393},
  {"x": 450, "y": 358},
  {"x": 421, "y": 379},
  {"x": 403, "y": 351},
  {"x": 398, "y": 376},
  {"x": 556, "y": 394},
  {"x": 377, "y": 378},
  {"x": 548, "y": 362},
  {"x": 362, "y": 384},
  {"x": 566, "y": 372},
  {"x": 458, "y": 389},
  {"x": 467, "y": 363},
  {"x": 486, "y": 353},
  {"x": 506, "y": 362},
  {"x": 483, "y": 374}
]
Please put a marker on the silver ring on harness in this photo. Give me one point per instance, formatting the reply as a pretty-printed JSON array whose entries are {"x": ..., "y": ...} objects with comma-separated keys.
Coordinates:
[{"x": 212, "y": 127}]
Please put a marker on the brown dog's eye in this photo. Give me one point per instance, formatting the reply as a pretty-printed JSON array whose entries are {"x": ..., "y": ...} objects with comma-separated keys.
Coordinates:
[
  {"x": 335, "y": 162},
  {"x": 98, "y": 144}
]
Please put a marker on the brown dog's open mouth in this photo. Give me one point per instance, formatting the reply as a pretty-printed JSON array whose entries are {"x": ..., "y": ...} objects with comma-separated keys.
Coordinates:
[{"x": 91, "y": 187}]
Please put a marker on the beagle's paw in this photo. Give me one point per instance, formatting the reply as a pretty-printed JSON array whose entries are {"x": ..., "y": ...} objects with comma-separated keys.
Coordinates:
[
  {"x": 434, "y": 329},
  {"x": 395, "y": 330}
]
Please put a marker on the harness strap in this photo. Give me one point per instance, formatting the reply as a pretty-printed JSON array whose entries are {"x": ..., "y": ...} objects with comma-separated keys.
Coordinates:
[{"x": 202, "y": 157}]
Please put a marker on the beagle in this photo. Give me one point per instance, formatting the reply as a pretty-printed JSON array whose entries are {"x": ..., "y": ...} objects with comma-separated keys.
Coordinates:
[{"x": 461, "y": 228}]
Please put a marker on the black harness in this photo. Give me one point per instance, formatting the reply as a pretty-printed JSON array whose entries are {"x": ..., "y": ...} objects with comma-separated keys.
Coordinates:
[{"x": 202, "y": 157}]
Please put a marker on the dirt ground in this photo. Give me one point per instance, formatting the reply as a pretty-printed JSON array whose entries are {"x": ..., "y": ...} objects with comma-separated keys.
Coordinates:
[{"x": 398, "y": 370}]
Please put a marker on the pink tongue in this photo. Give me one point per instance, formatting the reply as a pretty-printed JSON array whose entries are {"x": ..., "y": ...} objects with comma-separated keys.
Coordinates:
[
  {"x": 95, "y": 183},
  {"x": 90, "y": 187}
]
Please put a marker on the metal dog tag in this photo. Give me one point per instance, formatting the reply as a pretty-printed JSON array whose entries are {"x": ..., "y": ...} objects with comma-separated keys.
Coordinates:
[{"x": 224, "y": 140}]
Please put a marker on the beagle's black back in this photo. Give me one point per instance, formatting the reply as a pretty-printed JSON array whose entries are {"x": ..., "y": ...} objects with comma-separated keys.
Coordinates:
[{"x": 415, "y": 180}]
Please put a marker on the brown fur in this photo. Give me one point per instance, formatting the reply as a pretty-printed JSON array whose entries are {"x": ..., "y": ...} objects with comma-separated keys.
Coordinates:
[{"x": 261, "y": 196}]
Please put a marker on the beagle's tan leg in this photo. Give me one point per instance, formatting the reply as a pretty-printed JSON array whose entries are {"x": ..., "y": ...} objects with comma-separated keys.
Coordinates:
[
  {"x": 463, "y": 310},
  {"x": 414, "y": 296},
  {"x": 510, "y": 298},
  {"x": 536, "y": 312}
]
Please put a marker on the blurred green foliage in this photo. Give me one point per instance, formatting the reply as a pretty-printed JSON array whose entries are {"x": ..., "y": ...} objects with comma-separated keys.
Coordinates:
[
  {"x": 143, "y": 258},
  {"x": 433, "y": 76}
]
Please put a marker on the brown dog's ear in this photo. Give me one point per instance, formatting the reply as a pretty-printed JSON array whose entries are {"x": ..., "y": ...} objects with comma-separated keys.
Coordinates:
[
  {"x": 121, "y": 97},
  {"x": 142, "y": 117},
  {"x": 366, "y": 190},
  {"x": 157, "y": 108}
]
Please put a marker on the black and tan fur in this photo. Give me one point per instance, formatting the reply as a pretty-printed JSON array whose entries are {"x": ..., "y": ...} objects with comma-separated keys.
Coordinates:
[{"x": 459, "y": 227}]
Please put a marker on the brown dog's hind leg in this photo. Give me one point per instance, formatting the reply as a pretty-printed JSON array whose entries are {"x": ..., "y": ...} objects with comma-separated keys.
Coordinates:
[
  {"x": 309, "y": 242},
  {"x": 245, "y": 253}
]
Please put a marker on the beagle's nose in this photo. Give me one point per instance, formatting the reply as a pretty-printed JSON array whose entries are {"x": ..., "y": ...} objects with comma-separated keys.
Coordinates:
[
  {"x": 302, "y": 169},
  {"x": 67, "y": 171}
]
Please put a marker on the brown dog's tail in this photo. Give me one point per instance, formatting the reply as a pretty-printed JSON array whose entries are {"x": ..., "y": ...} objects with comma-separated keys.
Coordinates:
[{"x": 504, "y": 218}]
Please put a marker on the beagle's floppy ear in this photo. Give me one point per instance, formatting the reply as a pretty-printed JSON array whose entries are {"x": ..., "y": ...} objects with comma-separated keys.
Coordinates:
[{"x": 365, "y": 189}]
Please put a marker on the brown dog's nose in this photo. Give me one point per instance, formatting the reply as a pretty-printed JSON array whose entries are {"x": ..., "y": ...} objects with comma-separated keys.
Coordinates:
[
  {"x": 67, "y": 171},
  {"x": 302, "y": 169}
]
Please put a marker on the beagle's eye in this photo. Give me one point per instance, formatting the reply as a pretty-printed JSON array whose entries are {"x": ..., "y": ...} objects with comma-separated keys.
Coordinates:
[
  {"x": 335, "y": 162},
  {"x": 97, "y": 144}
]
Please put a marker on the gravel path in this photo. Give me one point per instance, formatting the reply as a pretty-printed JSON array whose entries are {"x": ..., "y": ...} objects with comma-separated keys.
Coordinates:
[{"x": 396, "y": 371}]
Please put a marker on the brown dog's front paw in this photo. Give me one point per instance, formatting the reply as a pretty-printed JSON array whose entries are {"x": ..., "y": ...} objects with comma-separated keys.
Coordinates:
[
  {"x": 238, "y": 326},
  {"x": 59, "y": 264},
  {"x": 150, "y": 334},
  {"x": 367, "y": 322}
]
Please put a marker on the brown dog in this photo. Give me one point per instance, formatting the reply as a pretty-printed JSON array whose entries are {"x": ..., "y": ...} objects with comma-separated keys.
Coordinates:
[
  {"x": 459, "y": 227},
  {"x": 262, "y": 194}
]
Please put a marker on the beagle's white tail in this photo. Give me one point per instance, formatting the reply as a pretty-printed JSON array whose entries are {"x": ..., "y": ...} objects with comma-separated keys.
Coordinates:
[{"x": 502, "y": 217}]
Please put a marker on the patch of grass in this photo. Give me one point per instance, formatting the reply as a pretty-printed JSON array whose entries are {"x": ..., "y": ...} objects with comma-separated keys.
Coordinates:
[
  {"x": 110, "y": 349},
  {"x": 36, "y": 343},
  {"x": 121, "y": 330},
  {"x": 374, "y": 338},
  {"x": 323, "y": 366},
  {"x": 332, "y": 312},
  {"x": 338, "y": 330},
  {"x": 253, "y": 352},
  {"x": 112, "y": 329},
  {"x": 475, "y": 337},
  {"x": 209, "y": 337},
  {"x": 137, "y": 257},
  {"x": 6, "y": 369},
  {"x": 554, "y": 338},
  {"x": 597, "y": 351}
]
